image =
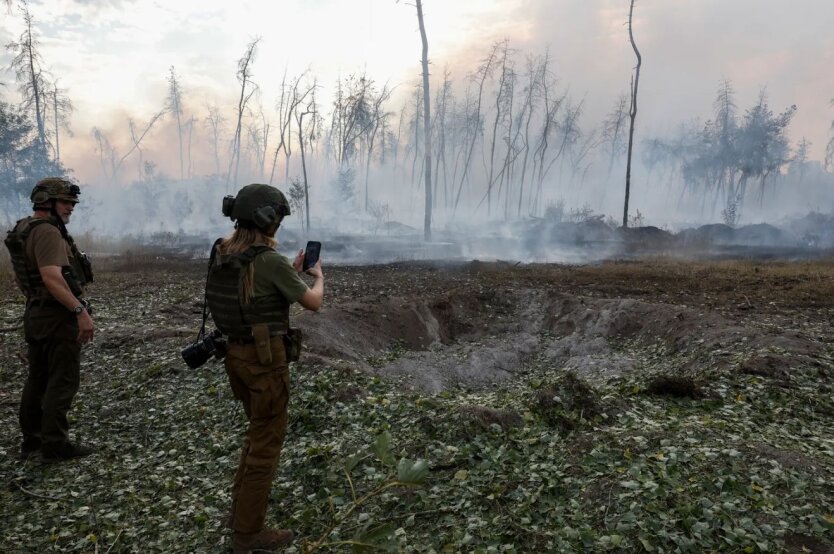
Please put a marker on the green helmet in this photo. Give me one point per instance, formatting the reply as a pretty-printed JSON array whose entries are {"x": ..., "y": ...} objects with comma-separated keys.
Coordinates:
[
  {"x": 54, "y": 188},
  {"x": 257, "y": 205}
]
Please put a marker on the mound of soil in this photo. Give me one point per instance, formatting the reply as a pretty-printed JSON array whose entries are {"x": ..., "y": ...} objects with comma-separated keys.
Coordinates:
[{"x": 472, "y": 339}]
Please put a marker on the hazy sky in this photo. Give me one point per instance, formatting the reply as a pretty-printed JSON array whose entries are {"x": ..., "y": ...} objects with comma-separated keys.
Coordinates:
[{"x": 113, "y": 55}]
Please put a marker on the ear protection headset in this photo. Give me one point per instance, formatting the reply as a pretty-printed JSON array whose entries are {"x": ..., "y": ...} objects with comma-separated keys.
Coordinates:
[{"x": 263, "y": 217}]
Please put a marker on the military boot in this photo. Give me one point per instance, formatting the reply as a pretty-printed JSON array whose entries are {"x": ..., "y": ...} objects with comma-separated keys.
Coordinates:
[
  {"x": 29, "y": 448},
  {"x": 265, "y": 539},
  {"x": 66, "y": 451}
]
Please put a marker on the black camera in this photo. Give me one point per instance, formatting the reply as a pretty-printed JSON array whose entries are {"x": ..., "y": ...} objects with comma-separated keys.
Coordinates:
[{"x": 198, "y": 353}]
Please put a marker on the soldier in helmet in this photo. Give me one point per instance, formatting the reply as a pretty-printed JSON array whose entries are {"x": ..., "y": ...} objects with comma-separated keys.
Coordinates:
[
  {"x": 51, "y": 272},
  {"x": 249, "y": 291}
]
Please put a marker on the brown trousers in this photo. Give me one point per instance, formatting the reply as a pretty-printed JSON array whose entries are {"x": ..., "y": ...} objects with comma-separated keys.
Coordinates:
[
  {"x": 54, "y": 375},
  {"x": 264, "y": 391}
]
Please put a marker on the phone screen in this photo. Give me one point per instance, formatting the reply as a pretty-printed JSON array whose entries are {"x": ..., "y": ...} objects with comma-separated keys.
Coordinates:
[{"x": 311, "y": 254}]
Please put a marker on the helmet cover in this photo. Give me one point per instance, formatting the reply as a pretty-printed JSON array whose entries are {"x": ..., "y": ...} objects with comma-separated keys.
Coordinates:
[
  {"x": 260, "y": 205},
  {"x": 54, "y": 188}
]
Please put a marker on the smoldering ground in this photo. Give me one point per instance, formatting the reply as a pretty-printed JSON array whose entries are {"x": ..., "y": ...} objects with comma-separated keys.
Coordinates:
[{"x": 645, "y": 378}]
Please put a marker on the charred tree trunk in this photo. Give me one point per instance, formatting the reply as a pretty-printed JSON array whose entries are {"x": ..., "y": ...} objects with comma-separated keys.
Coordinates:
[
  {"x": 426, "y": 121},
  {"x": 632, "y": 113}
]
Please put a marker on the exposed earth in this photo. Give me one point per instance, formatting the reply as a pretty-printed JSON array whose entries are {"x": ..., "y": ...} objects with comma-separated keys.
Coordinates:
[{"x": 654, "y": 405}]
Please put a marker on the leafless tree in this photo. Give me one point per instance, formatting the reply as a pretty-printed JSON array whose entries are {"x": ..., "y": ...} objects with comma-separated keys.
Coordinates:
[
  {"x": 500, "y": 96},
  {"x": 247, "y": 90},
  {"x": 441, "y": 109},
  {"x": 111, "y": 162},
  {"x": 61, "y": 109},
  {"x": 32, "y": 80},
  {"x": 307, "y": 135},
  {"x": 426, "y": 120},
  {"x": 552, "y": 105},
  {"x": 829, "y": 148},
  {"x": 107, "y": 154},
  {"x": 635, "y": 82},
  {"x": 291, "y": 97},
  {"x": 174, "y": 106},
  {"x": 613, "y": 131},
  {"x": 216, "y": 124},
  {"x": 351, "y": 116},
  {"x": 190, "y": 128},
  {"x": 800, "y": 158},
  {"x": 378, "y": 117},
  {"x": 474, "y": 118},
  {"x": 258, "y": 134},
  {"x": 531, "y": 94},
  {"x": 136, "y": 136}
]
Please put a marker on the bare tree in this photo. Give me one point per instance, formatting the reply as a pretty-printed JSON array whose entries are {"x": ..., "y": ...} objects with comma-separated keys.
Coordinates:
[
  {"x": 32, "y": 80},
  {"x": 829, "y": 148},
  {"x": 503, "y": 47},
  {"x": 190, "y": 127},
  {"x": 307, "y": 136},
  {"x": 635, "y": 82},
  {"x": 474, "y": 118},
  {"x": 552, "y": 106},
  {"x": 107, "y": 154},
  {"x": 174, "y": 106},
  {"x": 800, "y": 159},
  {"x": 61, "y": 109},
  {"x": 351, "y": 116},
  {"x": 531, "y": 95},
  {"x": 136, "y": 136},
  {"x": 441, "y": 110},
  {"x": 111, "y": 162},
  {"x": 258, "y": 133},
  {"x": 378, "y": 116},
  {"x": 613, "y": 131},
  {"x": 216, "y": 124},
  {"x": 288, "y": 102},
  {"x": 247, "y": 90}
]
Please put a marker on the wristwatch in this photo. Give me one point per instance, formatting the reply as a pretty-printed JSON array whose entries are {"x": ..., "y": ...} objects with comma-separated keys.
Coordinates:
[{"x": 78, "y": 309}]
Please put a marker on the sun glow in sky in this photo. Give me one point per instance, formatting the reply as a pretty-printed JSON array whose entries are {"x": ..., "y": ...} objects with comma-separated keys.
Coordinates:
[{"x": 113, "y": 56}]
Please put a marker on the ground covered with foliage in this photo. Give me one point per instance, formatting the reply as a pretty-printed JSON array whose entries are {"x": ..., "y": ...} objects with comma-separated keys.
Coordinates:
[{"x": 717, "y": 436}]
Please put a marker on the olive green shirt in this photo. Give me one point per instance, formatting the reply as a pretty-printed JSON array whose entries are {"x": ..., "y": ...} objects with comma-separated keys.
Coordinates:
[{"x": 274, "y": 273}]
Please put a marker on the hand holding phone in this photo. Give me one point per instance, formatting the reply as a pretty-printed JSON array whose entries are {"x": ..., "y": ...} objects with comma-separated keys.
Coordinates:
[{"x": 311, "y": 254}]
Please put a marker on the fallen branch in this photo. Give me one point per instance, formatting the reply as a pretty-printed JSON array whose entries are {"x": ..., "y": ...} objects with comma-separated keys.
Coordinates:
[
  {"x": 114, "y": 541},
  {"x": 36, "y": 495}
]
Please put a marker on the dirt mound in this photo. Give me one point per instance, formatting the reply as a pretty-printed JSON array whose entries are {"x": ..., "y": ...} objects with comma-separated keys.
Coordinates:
[
  {"x": 762, "y": 234},
  {"x": 706, "y": 235},
  {"x": 814, "y": 229},
  {"x": 647, "y": 238},
  {"x": 471, "y": 339}
]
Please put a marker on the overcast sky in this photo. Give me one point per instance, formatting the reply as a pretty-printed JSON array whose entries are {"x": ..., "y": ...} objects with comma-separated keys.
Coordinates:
[{"x": 113, "y": 55}]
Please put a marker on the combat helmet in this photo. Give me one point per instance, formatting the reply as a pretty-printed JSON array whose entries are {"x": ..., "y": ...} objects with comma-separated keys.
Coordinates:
[
  {"x": 257, "y": 205},
  {"x": 54, "y": 188}
]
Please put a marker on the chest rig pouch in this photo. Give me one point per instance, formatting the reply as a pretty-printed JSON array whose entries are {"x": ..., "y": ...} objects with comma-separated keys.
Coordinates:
[
  {"x": 77, "y": 274},
  {"x": 257, "y": 321}
]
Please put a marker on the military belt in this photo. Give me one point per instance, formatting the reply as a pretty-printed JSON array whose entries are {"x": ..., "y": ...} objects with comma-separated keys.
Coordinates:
[
  {"x": 248, "y": 340},
  {"x": 44, "y": 303}
]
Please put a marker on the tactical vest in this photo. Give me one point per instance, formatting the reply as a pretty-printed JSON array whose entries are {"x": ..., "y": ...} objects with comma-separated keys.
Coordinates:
[
  {"x": 224, "y": 295},
  {"x": 77, "y": 274}
]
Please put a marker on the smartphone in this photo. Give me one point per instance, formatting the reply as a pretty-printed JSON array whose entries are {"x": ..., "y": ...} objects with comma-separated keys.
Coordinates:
[{"x": 311, "y": 254}]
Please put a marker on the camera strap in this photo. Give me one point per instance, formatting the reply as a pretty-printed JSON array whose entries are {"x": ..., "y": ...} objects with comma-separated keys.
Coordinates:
[{"x": 212, "y": 257}]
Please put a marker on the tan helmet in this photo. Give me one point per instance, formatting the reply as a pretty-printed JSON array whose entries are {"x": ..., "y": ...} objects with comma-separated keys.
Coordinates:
[{"x": 54, "y": 188}]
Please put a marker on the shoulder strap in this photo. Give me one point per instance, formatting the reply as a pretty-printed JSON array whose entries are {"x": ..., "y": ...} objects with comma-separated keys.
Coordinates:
[{"x": 212, "y": 258}]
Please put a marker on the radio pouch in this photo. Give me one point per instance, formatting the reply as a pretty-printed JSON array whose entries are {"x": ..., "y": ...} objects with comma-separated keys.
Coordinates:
[
  {"x": 292, "y": 344},
  {"x": 261, "y": 335}
]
